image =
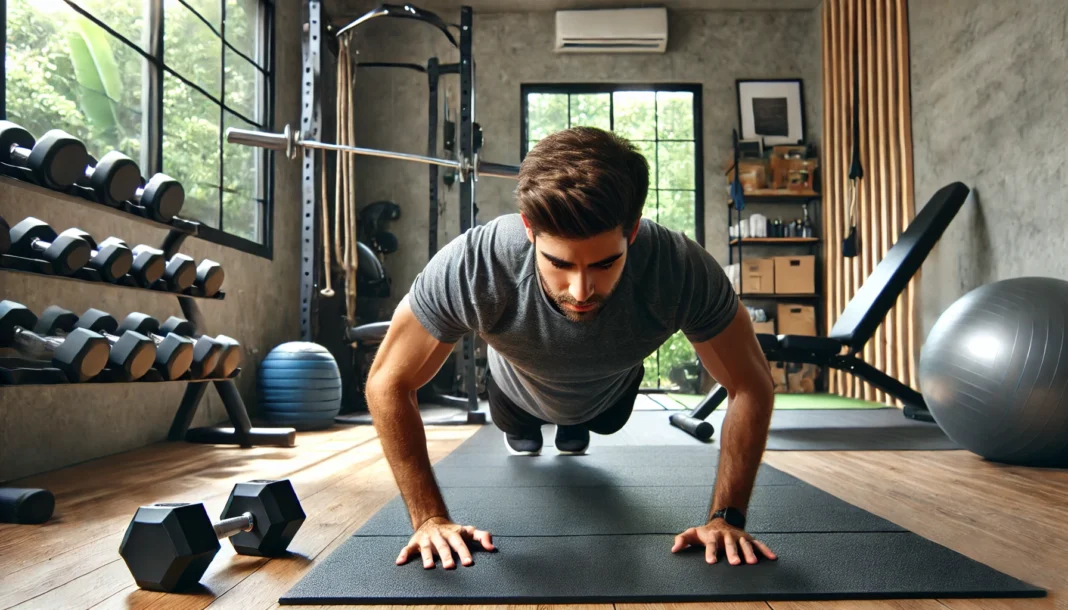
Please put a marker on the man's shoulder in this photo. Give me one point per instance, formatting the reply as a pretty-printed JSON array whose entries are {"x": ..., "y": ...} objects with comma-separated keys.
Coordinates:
[{"x": 499, "y": 245}]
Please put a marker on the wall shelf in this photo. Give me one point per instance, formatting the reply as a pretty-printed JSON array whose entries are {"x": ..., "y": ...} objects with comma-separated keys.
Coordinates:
[
  {"x": 775, "y": 241},
  {"x": 33, "y": 266},
  {"x": 779, "y": 297},
  {"x": 130, "y": 212},
  {"x": 20, "y": 372}
]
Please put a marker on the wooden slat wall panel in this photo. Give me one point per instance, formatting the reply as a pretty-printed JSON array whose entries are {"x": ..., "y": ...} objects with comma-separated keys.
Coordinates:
[{"x": 873, "y": 33}]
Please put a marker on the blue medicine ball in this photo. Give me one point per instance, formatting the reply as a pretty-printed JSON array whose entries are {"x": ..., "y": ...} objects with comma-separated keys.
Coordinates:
[
  {"x": 994, "y": 371},
  {"x": 300, "y": 386}
]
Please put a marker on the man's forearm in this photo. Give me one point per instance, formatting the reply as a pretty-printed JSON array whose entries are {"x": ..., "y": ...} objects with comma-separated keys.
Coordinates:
[
  {"x": 744, "y": 436},
  {"x": 400, "y": 429}
]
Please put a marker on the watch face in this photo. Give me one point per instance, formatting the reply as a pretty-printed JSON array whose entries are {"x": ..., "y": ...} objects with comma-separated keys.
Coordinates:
[{"x": 734, "y": 517}]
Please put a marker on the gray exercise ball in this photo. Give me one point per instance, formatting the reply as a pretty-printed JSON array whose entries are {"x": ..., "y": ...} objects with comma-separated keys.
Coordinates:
[
  {"x": 299, "y": 386},
  {"x": 994, "y": 372}
]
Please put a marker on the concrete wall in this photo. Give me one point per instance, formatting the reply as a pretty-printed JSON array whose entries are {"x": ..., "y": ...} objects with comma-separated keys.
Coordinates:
[
  {"x": 989, "y": 81},
  {"x": 709, "y": 48},
  {"x": 43, "y": 427}
]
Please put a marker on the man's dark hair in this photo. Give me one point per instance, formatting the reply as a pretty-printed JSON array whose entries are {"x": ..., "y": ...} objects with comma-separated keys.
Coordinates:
[{"x": 582, "y": 182}]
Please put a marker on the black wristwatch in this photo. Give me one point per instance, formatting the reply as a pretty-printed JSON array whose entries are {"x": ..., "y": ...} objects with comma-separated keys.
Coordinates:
[{"x": 733, "y": 517}]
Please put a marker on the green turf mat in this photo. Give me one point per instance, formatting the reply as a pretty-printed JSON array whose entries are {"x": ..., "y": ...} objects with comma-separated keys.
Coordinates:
[{"x": 794, "y": 401}]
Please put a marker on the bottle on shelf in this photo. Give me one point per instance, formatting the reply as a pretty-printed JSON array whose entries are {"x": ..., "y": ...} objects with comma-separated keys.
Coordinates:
[{"x": 806, "y": 223}]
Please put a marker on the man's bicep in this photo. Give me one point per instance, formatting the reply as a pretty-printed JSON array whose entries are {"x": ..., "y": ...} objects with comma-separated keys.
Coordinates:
[
  {"x": 734, "y": 359},
  {"x": 409, "y": 356}
]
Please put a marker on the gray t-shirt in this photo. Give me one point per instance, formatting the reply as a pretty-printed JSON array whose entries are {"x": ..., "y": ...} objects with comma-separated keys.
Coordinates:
[{"x": 565, "y": 372}]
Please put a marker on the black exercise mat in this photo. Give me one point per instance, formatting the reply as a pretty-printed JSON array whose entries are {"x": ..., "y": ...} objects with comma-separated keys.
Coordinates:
[
  {"x": 578, "y": 511},
  {"x": 569, "y": 529},
  {"x": 642, "y": 569}
]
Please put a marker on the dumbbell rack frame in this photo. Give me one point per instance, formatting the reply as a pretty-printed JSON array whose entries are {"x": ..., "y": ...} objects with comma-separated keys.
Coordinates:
[{"x": 242, "y": 433}]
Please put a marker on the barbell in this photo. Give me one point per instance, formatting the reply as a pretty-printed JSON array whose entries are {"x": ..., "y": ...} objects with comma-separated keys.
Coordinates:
[{"x": 289, "y": 141}]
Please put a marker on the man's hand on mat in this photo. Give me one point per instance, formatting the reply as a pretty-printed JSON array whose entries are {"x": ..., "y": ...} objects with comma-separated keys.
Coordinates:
[
  {"x": 441, "y": 536},
  {"x": 718, "y": 534}
]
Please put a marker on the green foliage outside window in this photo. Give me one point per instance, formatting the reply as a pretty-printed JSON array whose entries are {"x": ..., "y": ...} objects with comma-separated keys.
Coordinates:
[
  {"x": 660, "y": 124},
  {"x": 63, "y": 71}
]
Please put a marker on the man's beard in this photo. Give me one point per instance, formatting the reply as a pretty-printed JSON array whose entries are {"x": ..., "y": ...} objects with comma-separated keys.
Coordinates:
[{"x": 564, "y": 298}]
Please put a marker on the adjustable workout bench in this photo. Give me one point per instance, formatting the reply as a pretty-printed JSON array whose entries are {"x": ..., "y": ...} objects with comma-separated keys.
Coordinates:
[{"x": 856, "y": 326}]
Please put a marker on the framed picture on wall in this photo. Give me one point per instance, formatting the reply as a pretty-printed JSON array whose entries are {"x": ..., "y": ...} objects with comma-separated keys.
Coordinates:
[{"x": 772, "y": 110}]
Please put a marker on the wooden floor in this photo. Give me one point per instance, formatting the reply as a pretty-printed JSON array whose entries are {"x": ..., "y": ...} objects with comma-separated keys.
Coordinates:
[{"x": 1014, "y": 519}]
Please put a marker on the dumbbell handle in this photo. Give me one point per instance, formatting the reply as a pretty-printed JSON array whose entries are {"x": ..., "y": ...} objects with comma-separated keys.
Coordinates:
[
  {"x": 234, "y": 525},
  {"x": 40, "y": 245},
  {"x": 34, "y": 344},
  {"x": 19, "y": 153}
]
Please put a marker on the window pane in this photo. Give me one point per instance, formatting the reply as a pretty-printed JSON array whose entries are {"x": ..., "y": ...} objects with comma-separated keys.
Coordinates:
[
  {"x": 593, "y": 110},
  {"x": 191, "y": 148},
  {"x": 64, "y": 72},
  {"x": 127, "y": 17},
  {"x": 208, "y": 9},
  {"x": 242, "y": 165},
  {"x": 676, "y": 211},
  {"x": 190, "y": 48},
  {"x": 530, "y": 144},
  {"x": 243, "y": 81},
  {"x": 242, "y": 27},
  {"x": 677, "y": 364},
  {"x": 674, "y": 115},
  {"x": 242, "y": 217},
  {"x": 652, "y": 372},
  {"x": 546, "y": 114},
  {"x": 675, "y": 161},
  {"x": 635, "y": 114},
  {"x": 243, "y": 180}
]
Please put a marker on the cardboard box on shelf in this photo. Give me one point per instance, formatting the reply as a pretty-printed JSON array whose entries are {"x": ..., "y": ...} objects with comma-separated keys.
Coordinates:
[
  {"x": 795, "y": 319},
  {"x": 795, "y": 274},
  {"x": 758, "y": 276},
  {"x": 765, "y": 328}
]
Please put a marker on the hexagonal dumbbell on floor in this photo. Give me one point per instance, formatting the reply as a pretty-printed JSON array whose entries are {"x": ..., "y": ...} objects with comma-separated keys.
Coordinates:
[{"x": 168, "y": 547}]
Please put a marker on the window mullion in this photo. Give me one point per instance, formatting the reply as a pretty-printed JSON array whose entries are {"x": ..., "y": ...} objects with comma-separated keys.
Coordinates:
[
  {"x": 222, "y": 107},
  {"x": 152, "y": 91}
]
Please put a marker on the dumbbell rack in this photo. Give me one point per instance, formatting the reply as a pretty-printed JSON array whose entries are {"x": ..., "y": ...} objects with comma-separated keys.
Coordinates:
[{"x": 19, "y": 372}]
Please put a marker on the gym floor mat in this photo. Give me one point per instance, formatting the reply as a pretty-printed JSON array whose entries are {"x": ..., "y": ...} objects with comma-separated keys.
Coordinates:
[{"x": 599, "y": 529}]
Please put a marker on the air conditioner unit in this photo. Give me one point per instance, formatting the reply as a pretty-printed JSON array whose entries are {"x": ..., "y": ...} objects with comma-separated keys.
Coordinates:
[{"x": 628, "y": 30}]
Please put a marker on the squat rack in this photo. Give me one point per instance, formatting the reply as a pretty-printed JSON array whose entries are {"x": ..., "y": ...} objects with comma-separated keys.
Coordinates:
[{"x": 309, "y": 131}]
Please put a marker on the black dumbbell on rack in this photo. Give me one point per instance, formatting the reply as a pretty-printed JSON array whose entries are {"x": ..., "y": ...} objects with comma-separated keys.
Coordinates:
[
  {"x": 160, "y": 199},
  {"x": 206, "y": 352},
  {"x": 229, "y": 349},
  {"x": 112, "y": 260},
  {"x": 179, "y": 273},
  {"x": 81, "y": 355},
  {"x": 112, "y": 181},
  {"x": 131, "y": 353},
  {"x": 55, "y": 161},
  {"x": 174, "y": 353},
  {"x": 34, "y": 238},
  {"x": 208, "y": 275},
  {"x": 168, "y": 547},
  {"x": 147, "y": 265}
]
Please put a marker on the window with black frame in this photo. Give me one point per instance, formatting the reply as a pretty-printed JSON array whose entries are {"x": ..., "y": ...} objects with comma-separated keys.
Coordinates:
[
  {"x": 161, "y": 81},
  {"x": 663, "y": 121}
]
